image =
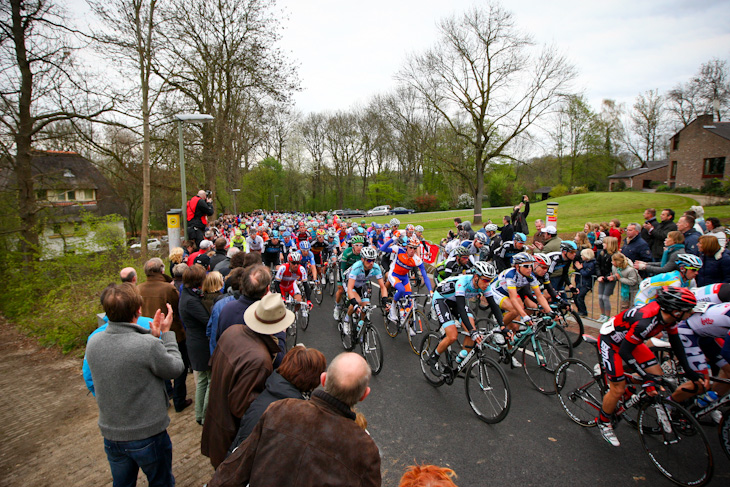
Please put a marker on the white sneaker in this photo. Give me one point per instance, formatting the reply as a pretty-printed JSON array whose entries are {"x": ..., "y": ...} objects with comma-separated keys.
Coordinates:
[
  {"x": 607, "y": 432},
  {"x": 516, "y": 363},
  {"x": 336, "y": 313},
  {"x": 392, "y": 315},
  {"x": 346, "y": 327}
]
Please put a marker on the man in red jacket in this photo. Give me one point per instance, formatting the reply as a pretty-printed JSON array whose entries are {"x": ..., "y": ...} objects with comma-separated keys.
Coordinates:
[{"x": 199, "y": 208}]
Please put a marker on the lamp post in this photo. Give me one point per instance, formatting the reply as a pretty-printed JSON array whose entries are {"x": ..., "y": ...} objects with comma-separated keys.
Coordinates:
[
  {"x": 235, "y": 211},
  {"x": 275, "y": 196},
  {"x": 186, "y": 117}
]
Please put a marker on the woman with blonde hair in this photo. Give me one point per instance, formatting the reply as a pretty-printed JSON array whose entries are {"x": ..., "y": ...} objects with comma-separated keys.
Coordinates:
[
  {"x": 212, "y": 286},
  {"x": 673, "y": 246},
  {"x": 628, "y": 277},
  {"x": 581, "y": 240},
  {"x": 606, "y": 280},
  {"x": 176, "y": 257}
]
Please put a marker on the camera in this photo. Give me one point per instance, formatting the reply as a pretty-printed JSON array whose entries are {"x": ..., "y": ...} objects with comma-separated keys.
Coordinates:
[{"x": 208, "y": 193}]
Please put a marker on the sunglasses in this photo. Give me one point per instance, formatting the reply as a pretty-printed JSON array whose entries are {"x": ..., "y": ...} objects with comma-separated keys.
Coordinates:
[
  {"x": 294, "y": 263},
  {"x": 691, "y": 268},
  {"x": 414, "y": 248},
  {"x": 526, "y": 266},
  {"x": 486, "y": 279},
  {"x": 369, "y": 261}
]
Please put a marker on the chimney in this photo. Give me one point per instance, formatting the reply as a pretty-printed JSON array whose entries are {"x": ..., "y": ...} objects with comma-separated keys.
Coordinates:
[{"x": 705, "y": 119}]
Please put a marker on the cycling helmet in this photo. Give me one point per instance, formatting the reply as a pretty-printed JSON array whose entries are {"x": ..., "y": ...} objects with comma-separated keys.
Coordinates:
[
  {"x": 385, "y": 225},
  {"x": 676, "y": 299},
  {"x": 321, "y": 233},
  {"x": 360, "y": 230},
  {"x": 485, "y": 269},
  {"x": 372, "y": 224},
  {"x": 543, "y": 259},
  {"x": 287, "y": 234},
  {"x": 490, "y": 228},
  {"x": 414, "y": 242},
  {"x": 368, "y": 253},
  {"x": 357, "y": 239},
  {"x": 519, "y": 237},
  {"x": 568, "y": 246},
  {"x": 353, "y": 224},
  {"x": 282, "y": 228},
  {"x": 304, "y": 245},
  {"x": 401, "y": 239},
  {"x": 331, "y": 232},
  {"x": 410, "y": 228},
  {"x": 294, "y": 257},
  {"x": 394, "y": 221},
  {"x": 522, "y": 258},
  {"x": 419, "y": 228},
  {"x": 482, "y": 237},
  {"x": 275, "y": 234},
  {"x": 363, "y": 222},
  {"x": 688, "y": 260},
  {"x": 461, "y": 251},
  {"x": 378, "y": 226}
]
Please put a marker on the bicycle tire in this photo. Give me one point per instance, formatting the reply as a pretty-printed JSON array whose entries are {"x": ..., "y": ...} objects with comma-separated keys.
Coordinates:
[
  {"x": 304, "y": 320},
  {"x": 540, "y": 358},
  {"x": 372, "y": 349},
  {"x": 571, "y": 319},
  {"x": 683, "y": 454},
  {"x": 291, "y": 334},
  {"x": 345, "y": 338},
  {"x": 331, "y": 281},
  {"x": 428, "y": 344},
  {"x": 391, "y": 327},
  {"x": 422, "y": 326},
  {"x": 560, "y": 339},
  {"x": 318, "y": 293},
  {"x": 723, "y": 432},
  {"x": 487, "y": 389},
  {"x": 580, "y": 393}
]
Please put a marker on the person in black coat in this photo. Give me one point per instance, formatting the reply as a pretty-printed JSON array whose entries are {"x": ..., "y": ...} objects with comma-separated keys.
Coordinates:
[
  {"x": 297, "y": 376},
  {"x": 507, "y": 230},
  {"x": 715, "y": 262},
  {"x": 519, "y": 219},
  {"x": 195, "y": 318}
]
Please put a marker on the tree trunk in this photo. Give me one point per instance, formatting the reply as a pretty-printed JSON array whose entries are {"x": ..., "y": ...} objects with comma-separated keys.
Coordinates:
[{"x": 479, "y": 196}]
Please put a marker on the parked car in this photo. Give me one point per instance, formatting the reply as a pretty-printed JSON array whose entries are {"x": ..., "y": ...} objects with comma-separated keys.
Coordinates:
[
  {"x": 380, "y": 211},
  {"x": 399, "y": 210},
  {"x": 350, "y": 213},
  {"x": 152, "y": 244}
]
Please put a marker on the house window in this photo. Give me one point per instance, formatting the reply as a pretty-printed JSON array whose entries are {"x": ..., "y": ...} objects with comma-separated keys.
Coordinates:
[
  {"x": 41, "y": 195},
  {"x": 714, "y": 167},
  {"x": 673, "y": 170},
  {"x": 675, "y": 142},
  {"x": 86, "y": 194},
  {"x": 71, "y": 195}
]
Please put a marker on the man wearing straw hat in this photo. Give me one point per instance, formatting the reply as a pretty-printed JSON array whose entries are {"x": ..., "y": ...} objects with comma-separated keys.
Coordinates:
[{"x": 241, "y": 363}]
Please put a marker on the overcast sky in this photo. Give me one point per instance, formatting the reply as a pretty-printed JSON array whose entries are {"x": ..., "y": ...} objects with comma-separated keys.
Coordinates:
[{"x": 349, "y": 51}]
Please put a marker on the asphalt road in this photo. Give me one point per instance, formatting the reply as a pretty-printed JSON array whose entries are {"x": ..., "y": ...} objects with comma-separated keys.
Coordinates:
[{"x": 537, "y": 444}]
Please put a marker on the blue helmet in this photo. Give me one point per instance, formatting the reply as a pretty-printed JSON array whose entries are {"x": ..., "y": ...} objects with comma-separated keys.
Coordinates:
[
  {"x": 304, "y": 245},
  {"x": 287, "y": 234},
  {"x": 519, "y": 237},
  {"x": 568, "y": 246}
]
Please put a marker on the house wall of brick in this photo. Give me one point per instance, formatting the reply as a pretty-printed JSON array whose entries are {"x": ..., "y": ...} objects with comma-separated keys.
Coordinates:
[
  {"x": 637, "y": 182},
  {"x": 695, "y": 145}
]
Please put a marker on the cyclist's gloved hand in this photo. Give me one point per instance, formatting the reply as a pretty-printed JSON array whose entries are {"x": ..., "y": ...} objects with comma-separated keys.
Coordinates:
[
  {"x": 651, "y": 381},
  {"x": 553, "y": 314},
  {"x": 384, "y": 301},
  {"x": 474, "y": 334}
]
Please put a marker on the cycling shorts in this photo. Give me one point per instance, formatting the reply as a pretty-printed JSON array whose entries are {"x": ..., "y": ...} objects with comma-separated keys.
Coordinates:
[
  {"x": 614, "y": 366},
  {"x": 395, "y": 279},
  {"x": 499, "y": 297},
  {"x": 700, "y": 350},
  {"x": 292, "y": 289},
  {"x": 447, "y": 313},
  {"x": 363, "y": 291}
]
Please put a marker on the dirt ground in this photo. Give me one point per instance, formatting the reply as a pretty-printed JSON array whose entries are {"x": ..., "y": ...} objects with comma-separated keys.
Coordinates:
[{"x": 49, "y": 434}]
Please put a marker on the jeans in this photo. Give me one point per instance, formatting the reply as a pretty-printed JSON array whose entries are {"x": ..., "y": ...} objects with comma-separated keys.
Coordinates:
[
  {"x": 153, "y": 455},
  {"x": 605, "y": 290}
]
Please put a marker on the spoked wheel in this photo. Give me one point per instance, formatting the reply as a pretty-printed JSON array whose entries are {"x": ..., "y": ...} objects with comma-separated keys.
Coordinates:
[
  {"x": 291, "y": 333},
  {"x": 331, "y": 281},
  {"x": 487, "y": 389},
  {"x": 540, "y": 359},
  {"x": 560, "y": 339},
  {"x": 574, "y": 324},
  {"x": 372, "y": 349},
  {"x": 675, "y": 442},
  {"x": 428, "y": 345},
  {"x": 579, "y": 392},
  {"x": 318, "y": 293},
  {"x": 421, "y": 325},
  {"x": 391, "y": 327}
]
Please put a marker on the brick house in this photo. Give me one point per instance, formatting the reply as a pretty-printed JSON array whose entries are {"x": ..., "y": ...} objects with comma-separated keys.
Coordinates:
[
  {"x": 698, "y": 153},
  {"x": 641, "y": 177}
]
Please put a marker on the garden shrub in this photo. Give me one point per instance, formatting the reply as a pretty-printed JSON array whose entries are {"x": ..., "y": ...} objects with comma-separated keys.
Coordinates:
[{"x": 559, "y": 190}]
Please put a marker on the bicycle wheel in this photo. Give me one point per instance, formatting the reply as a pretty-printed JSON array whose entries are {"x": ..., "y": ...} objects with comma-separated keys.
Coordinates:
[
  {"x": 372, "y": 348},
  {"x": 421, "y": 325},
  {"x": 676, "y": 445},
  {"x": 345, "y": 338},
  {"x": 560, "y": 339},
  {"x": 291, "y": 333},
  {"x": 428, "y": 345},
  {"x": 487, "y": 389},
  {"x": 318, "y": 293},
  {"x": 540, "y": 359},
  {"x": 391, "y": 327},
  {"x": 304, "y": 319},
  {"x": 579, "y": 392},
  {"x": 331, "y": 281},
  {"x": 575, "y": 325},
  {"x": 723, "y": 431}
]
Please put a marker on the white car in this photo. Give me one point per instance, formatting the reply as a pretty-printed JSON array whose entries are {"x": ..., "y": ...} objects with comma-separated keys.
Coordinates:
[
  {"x": 380, "y": 211},
  {"x": 152, "y": 244}
]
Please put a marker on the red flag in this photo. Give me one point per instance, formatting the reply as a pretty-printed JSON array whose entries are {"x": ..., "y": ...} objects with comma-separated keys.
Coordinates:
[{"x": 433, "y": 252}]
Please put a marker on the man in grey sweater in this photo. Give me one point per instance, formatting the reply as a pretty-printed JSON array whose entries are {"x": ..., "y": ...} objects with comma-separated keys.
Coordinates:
[{"x": 129, "y": 365}]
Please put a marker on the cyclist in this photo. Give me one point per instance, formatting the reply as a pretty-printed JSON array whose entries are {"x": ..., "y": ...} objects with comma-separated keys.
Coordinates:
[
  {"x": 450, "y": 305},
  {"x": 405, "y": 260},
  {"x": 459, "y": 263},
  {"x": 320, "y": 251},
  {"x": 289, "y": 275},
  {"x": 238, "y": 240},
  {"x": 289, "y": 243},
  {"x": 622, "y": 340},
  {"x": 508, "y": 249},
  {"x": 301, "y": 234},
  {"x": 273, "y": 251},
  {"x": 255, "y": 242},
  {"x": 561, "y": 261},
  {"x": 510, "y": 284},
  {"x": 689, "y": 266},
  {"x": 307, "y": 258},
  {"x": 358, "y": 286},
  {"x": 713, "y": 293},
  {"x": 475, "y": 246},
  {"x": 350, "y": 256}
]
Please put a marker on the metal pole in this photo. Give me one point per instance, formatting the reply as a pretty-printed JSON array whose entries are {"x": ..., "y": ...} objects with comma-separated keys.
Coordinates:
[
  {"x": 275, "y": 196},
  {"x": 183, "y": 189}
]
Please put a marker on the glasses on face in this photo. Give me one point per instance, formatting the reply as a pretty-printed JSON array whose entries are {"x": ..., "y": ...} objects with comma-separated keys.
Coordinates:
[
  {"x": 412, "y": 248},
  {"x": 357, "y": 245},
  {"x": 369, "y": 261},
  {"x": 543, "y": 267},
  {"x": 486, "y": 279},
  {"x": 696, "y": 269},
  {"x": 526, "y": 266},
  {"x": 294, "y": 263}
]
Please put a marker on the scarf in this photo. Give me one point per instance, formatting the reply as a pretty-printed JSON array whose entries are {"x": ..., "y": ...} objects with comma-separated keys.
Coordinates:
[
  {"x": 668, "y": 251},
  {"x": 625, "y": 289}
]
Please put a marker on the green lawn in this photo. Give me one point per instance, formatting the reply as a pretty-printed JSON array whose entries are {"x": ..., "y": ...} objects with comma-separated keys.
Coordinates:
[{"x": 574, "y": 211}]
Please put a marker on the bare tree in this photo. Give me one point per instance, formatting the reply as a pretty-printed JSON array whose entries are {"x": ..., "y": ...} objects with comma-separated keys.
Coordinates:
[
  {"x": 40, "y": 86},
  {"x": 644, "y": 132},
  {"x": 488, "y": 84},
  {"x": 707, "y": 92}
]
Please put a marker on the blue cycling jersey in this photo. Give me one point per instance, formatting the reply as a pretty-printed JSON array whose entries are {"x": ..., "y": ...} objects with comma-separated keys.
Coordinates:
[
  {"x": 361, "y": 276},
  {"x": 455, "y": 286}
]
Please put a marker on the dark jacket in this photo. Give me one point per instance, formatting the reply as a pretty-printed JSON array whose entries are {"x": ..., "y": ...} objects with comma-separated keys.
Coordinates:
[
  {"x": 302, "y": 444},
  {"x": 715, "y": 269},
  {"x": 195, "y": 317},
  {"x": 220, "y": 256},
  {"x": 656, "y": 247},
  {"x": 519, "y": 219},
  {"x": 658, "y": 235},
  {"x": 507, "y": 232},
  {"x": 203, "y": 209},
  {"x": 655, "y": 268},
  {"x": 691, "y": 238},
  {"x": 242, "y": 361},
  {"x": 637, "y": 249},
  {"x": 277, "y": 388},
  {"x": 156, "y": 294},
  {"x": 586, "y": 274},
  {"x": 603, "y": 264},
  {"x": 232, "y": 314}
]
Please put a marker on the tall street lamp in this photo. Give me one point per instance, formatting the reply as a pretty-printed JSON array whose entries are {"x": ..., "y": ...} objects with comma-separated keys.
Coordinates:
[
  {"x": 186, "y": 117},
  {"x": 235, "y": 211}
]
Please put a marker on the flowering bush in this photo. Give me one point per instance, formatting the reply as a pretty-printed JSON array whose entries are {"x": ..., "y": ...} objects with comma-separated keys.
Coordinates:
[{"x": 465, "y": 201}]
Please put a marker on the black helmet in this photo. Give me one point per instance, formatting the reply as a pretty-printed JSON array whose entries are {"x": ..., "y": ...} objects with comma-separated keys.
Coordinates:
[{"x": 676, "y": 299}]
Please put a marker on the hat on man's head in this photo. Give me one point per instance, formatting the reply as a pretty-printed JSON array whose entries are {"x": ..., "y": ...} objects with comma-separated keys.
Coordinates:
[
  {"x": 203, "y": 260},
  {"x": 550, "y": 229},
  {"x": 269, "y": 315},
  {"x": 204, "y": 244}
]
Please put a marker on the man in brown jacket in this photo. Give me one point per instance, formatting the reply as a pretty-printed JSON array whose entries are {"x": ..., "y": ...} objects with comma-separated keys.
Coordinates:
[
  {"x": 241, "y": 363},
  {"x": 310, "y": 443},
  {"x": 157, "y": 292}
]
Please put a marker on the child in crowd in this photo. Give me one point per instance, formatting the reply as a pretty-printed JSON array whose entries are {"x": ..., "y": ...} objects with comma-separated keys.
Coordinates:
[{"x": 584, "y": 278}]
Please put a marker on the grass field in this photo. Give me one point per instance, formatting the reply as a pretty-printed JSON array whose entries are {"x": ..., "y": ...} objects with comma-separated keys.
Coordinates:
[{"x": 574, "y": 211}]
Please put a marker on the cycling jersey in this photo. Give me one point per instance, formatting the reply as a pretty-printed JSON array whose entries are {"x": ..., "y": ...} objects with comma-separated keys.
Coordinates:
[
  {"x": 649, "y": 287},
  {"x": 452, "y": 267},
  {"x": 287, "y": 278},
  {"x": 272, "y": 252},
  {"x": 320, "y": 251},
  {"x": 255, "y": 243},
  {"x": 361, "y": 276},
  {"x": 474, "y": 252},
  {"x": 307, "y": 259},
  {"x": 700, "y": 334},
  {"x": 455, "y": 286},
  {"x": 347, "y": 260},
  {"x": 503, "y": 256},
  {"x": 450, "y": 301},
  {"x": 289, "y": 246},
  {"x": 708, "y": 294},
  {"x": 512, "y": 279}
]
